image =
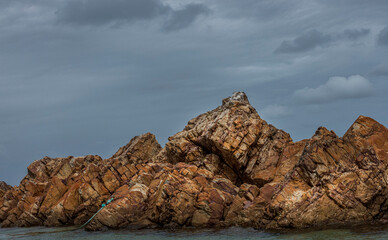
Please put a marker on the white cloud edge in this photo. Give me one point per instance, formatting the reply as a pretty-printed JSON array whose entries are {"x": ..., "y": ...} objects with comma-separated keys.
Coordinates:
[{"x": 336, "y": 88}]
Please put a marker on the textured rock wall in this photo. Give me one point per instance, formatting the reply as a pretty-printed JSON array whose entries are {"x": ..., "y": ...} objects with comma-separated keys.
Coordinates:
[{"x": 227, "y": 167}]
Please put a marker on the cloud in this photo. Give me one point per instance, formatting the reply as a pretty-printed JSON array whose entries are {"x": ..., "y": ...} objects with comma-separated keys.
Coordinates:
[
  {"x": 307, "y": 41},
  {"x": 313, "y": 38},
  {"x": 5, "y": 3},
  {"x": 381, "y": 69},
  {"x": 262, "y": 10},
  {"x": 355, "y": 34},
  {"x": 275, "y": 111},
  {"x": 382, "y": 38},
  {"x": 101, "y": 12},
  {"x": 335, "y": 88},
  {"x": 184, "y": 17},
  {"x": 116, "y": 12}
]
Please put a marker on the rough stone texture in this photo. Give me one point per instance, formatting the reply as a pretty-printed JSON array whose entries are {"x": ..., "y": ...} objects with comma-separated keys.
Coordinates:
[
  {"x": 139, "y": 150},
  {"x": 227, "y": 167},
  {"x": 3, "y": 188}
]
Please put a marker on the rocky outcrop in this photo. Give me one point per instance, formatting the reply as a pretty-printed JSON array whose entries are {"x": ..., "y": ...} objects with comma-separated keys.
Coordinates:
[
  {"x": 4, "y": 187},
  {"x": 227, "y": 167}
]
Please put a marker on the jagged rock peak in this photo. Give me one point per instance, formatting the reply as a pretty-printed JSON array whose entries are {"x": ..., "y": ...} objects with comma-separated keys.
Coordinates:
[
  {"x": 140, "y": 149},
  {"x": 322, "y": 132},
  {"x": 4, "y": 186},
  {"x": 365, "y": 126},
  {"x": 237, "y": 97}
]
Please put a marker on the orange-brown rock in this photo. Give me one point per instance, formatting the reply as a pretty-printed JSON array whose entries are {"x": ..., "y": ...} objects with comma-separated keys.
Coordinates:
[
  {"x": 139, "y": 150},
  {"x": 227, "y": 167}
]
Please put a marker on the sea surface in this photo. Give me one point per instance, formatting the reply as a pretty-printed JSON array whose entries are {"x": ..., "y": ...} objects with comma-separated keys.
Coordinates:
[{"x": 368, "y": 232}]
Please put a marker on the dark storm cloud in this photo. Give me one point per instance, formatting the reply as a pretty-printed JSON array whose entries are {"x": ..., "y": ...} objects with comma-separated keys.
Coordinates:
[
  {"x": 354, "y": 34},
  {"x": 100, "y": 12},
  {"x": 184, "y": 17},
  {"x": 382, "y": 38},
  {"x": 261, "y": 10},
  {"x": 307, "y": 41},
  {"x": 313, "y": 38},
  {"x": 336, "y": 88},
  {"x": 116, "y": 12}
]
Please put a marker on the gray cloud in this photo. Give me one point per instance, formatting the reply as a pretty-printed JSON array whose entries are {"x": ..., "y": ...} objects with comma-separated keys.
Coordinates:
[
  {"x": 116, "y": 12},
  {"x": 313, "y": 38},
  {"x": 184, "y": 17},
  {"x": 307, "y": 41},
  {"x": 335, "y": 88},
  {"x": 262, "y": 10},
  {"x": 5, "y": 3},
  {"x": 101, "y": 12},
  {"x": 382, "y": 38},
  {"x": 381, "y": 69},
  {"x": 354, "y": 34}
]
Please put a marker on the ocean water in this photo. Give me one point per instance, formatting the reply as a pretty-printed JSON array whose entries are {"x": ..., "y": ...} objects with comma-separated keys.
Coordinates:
[{"x": 369, "y": 232}]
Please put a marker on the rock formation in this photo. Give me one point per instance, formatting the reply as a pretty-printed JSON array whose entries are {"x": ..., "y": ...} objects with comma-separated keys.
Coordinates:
[{"x": 228, "y": 167}]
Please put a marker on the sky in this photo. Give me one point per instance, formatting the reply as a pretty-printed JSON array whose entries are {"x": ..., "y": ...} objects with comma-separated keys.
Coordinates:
[{"x": 82, "y": 77}]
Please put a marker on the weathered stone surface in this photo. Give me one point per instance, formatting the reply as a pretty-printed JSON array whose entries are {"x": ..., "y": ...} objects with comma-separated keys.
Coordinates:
[
  {"x": 336, "y": 180},
  {"x": 227, "y": 167},
  {"x": 4, "y": 187},
  {"x": 141, "y": 149}
]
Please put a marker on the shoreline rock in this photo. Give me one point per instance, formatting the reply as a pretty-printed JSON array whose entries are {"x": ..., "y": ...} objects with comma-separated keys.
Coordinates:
[{"x": 227, "y": 167}]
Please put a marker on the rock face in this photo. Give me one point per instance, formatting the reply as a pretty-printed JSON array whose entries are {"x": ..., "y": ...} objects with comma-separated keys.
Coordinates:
[{"x": 228, "y": 167}]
